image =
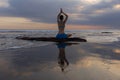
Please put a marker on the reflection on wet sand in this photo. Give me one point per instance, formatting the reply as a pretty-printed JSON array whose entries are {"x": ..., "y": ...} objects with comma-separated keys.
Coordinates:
[
  {"x": 117, "y": 51},
  {"x": 78, "y": 62},
  {"x": 62, "y": 60}
]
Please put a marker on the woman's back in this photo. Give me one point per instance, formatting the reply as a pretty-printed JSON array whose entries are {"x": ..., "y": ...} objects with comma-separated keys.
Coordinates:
[{"x": 61, "y": 20}]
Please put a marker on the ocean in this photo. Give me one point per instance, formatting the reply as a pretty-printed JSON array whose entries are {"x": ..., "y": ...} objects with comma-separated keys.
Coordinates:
[{"x": 8, "y": 41}]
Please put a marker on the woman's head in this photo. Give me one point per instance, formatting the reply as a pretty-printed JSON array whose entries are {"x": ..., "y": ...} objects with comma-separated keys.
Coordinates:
[{"x": 61, "y": 17}]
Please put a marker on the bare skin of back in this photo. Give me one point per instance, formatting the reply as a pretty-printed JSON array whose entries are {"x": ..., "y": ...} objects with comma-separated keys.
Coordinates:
[{"x": 61, "y": 23}]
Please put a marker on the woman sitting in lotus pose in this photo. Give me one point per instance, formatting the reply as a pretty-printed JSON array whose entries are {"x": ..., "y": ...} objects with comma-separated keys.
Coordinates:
[{"x": 61, "y": 20}]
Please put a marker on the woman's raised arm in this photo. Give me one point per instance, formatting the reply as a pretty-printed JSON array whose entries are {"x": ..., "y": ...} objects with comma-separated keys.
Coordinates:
[
  {"x": 65, "y": 17},
  {"x": 58, "y": 16}
]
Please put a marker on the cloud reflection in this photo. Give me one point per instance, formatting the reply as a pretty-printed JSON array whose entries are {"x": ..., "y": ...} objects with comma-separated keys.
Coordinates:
[{"x": 86, "y": 61}]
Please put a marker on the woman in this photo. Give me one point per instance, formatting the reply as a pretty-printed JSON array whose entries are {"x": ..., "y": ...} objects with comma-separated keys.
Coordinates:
[{"x": 61, "y": 20}]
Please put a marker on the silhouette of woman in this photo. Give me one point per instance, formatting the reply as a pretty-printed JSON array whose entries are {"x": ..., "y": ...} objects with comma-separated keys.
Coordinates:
[{"x": 61, "y": 20}]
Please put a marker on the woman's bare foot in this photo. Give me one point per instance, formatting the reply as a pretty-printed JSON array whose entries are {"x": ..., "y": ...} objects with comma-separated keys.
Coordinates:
[{"x": 69, "y": 35}]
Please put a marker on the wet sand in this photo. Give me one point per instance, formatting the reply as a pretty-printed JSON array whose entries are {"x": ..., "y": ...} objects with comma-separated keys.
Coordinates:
[{"x": 83, "y": 61}]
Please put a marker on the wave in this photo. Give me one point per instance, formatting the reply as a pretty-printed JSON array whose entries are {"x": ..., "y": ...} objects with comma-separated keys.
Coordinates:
[{"x": 8, "y": 41}]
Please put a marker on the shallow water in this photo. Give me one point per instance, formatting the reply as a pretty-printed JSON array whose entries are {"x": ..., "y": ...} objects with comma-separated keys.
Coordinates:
[
  {"x": 8, "y": 41},
  {"x": 66, "y": 61}
]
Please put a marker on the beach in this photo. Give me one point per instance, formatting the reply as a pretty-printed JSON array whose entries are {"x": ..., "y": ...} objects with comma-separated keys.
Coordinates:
[
  {"x": 97, "y": 59},
  {"x": 87, "y": 61},
  {"x": 70, "y": 40}
]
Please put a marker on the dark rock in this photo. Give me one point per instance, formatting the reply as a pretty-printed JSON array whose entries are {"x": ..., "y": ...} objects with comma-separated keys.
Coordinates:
[
  {"x": 52, "y": 39},
  {"x": 106, "y": 32}
]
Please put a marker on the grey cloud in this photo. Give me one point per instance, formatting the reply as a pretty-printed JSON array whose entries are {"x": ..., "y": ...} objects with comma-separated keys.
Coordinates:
[
  {"x": 110, "y": 19},
  {"x": 102, "y": 5},
  {"x": 37, "y": 10},
  {"x": 47, "y": 10}
]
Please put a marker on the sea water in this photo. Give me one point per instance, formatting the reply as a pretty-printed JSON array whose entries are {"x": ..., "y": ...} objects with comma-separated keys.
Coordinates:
[
  {"x": 96, "y": 59},
  {"x": 8, "y": 37}
]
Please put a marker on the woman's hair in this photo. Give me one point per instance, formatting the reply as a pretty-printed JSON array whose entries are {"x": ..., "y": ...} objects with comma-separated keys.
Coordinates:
[{"x": 61, "y": 17}]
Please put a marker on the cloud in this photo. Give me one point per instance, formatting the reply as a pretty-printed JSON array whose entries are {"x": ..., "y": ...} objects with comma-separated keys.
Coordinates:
[
  {"x": 109, "y": 19},
  {"x": 117, "y": 6},
  {"x": 37, "y": 10},
  {"x": 102, "y": 13},
  {"x": 4, "y": 3},
  {"x": 81, "y": 12},
  {"x": 23, "y": 23}
]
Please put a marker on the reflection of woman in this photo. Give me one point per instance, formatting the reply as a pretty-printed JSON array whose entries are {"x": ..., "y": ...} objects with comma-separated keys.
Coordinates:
[
  {"x": 61, "y": 20},
  {"x": 62, "y": 61}
]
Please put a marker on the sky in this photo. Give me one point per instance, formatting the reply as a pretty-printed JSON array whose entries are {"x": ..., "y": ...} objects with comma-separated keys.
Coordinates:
[{"x": 42, "y": 14}]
